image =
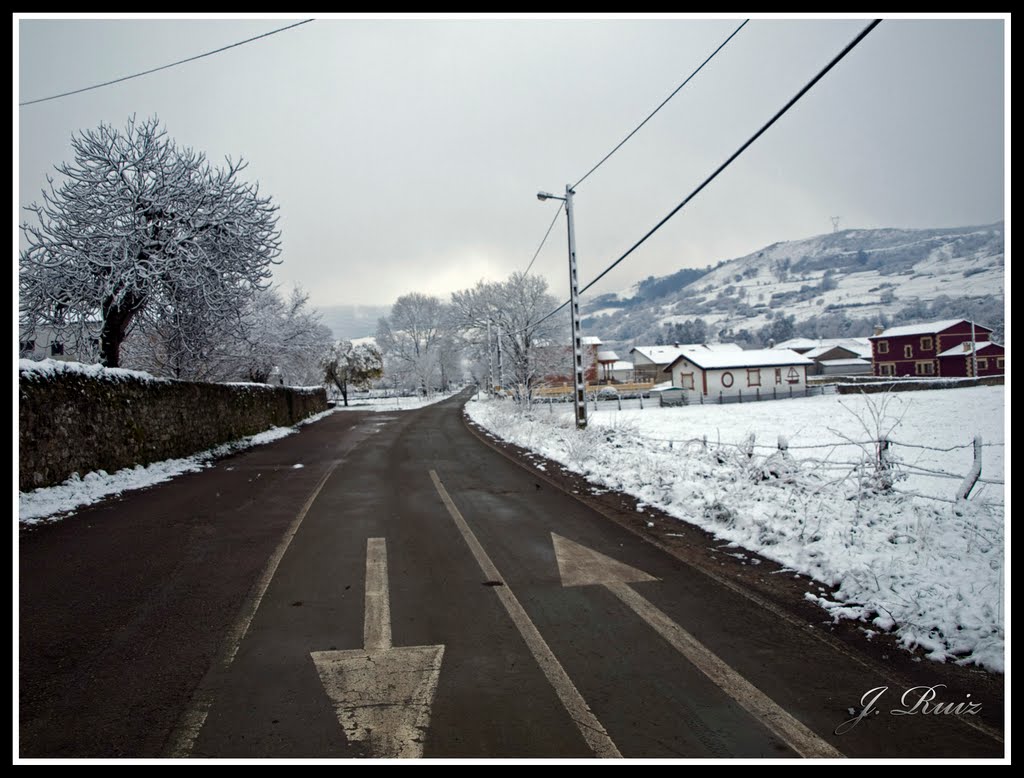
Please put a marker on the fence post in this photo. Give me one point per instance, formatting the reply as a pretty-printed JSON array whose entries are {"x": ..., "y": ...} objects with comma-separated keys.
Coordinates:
[
  {"x": 739, "y": 393},
  {"x": 619, "y": 398},
  {"x": 975, "y": 473},
  {"x": 641, "y": 399}
]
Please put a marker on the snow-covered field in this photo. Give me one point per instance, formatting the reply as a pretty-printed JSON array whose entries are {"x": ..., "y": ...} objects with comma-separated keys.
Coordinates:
[
  {"x": 57, "y": 502},
  {"x": 902, "y": 555}
]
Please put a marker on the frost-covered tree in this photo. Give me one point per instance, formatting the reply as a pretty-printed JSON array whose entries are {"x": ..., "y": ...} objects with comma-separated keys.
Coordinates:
[
  {"x": 532, "y": 346},
  {"x": 271, "y": 331},
  {"x": 142, "y": 228},
  {"x": 416, "y": 341},
  {"x": 348, "y": 366}
]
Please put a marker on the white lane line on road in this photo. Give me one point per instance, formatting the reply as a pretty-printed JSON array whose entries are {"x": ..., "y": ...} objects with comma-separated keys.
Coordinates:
[
  {"x": 582, "y": 566},
  {"x": 377, "y": 623},
  {"x": 588, "y": 724},
  {"x": 183, "y": 737}
]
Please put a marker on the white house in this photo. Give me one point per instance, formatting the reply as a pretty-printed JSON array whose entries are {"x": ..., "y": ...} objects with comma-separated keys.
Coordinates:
[{"x": 713, "y": 376}]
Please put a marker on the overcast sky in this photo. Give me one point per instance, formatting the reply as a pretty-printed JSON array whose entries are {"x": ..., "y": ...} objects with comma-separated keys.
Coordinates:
[{"x": 406, "y": 155}]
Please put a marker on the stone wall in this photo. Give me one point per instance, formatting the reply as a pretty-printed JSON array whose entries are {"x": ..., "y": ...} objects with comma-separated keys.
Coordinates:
[
  {"x": 876, "y": 385},
  {"x": 77, "y": 418}
]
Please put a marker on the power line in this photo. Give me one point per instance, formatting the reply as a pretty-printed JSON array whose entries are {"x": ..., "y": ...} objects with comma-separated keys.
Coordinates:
[
  {"x": 848, "y": 48},
  {"x": 543, "y": 240},
  {"x": 662, "y": 105},
  {"x": 165, "y": 67}
]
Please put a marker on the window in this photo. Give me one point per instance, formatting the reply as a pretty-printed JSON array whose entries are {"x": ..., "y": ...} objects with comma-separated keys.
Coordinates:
[
  {"x": 999, "y": 363},
  {"x": 793, "y": 376},
  {"x": 753, "y": 376},
  {"x": 56, "y": 349},
  {"x": 28, "y": 345},
  {"x": 982, "y": 363},
  {"x": 726, "y": 380},
  {"x": 882, "y": 347},
  {"x": 686, "y": 380},
  {"x": 924, "y": 368},
  {"x": 778, "y": 375},
  {"x": 887, "y": 368},
  {"x": 908, "y": 352},
  {"x": 927, "y": 344}
]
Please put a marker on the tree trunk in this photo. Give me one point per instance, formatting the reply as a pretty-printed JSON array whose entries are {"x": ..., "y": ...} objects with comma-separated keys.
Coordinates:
[{"x": 116, "y": 318}]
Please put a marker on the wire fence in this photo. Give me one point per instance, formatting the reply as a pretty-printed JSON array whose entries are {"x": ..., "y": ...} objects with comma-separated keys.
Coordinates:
[{"x": 886, "y": 453}]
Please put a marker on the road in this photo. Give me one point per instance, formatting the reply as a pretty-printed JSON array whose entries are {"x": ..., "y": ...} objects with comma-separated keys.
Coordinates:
[{"x": 411, "y": 591}]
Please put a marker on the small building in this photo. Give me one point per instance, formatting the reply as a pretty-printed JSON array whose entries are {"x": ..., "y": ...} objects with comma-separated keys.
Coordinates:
[
  {"x": 606, "y": 359},
  {"x": 622, "y": 372},
  {"x": 44, "y": 342},
  {"x": 756, "y": 374},
  {"x": 650, "y": 361},
  {"x": 916, "y": 349}
]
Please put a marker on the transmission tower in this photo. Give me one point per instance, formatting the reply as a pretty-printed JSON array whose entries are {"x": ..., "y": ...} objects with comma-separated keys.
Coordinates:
[{"x": 835, "y": 223}]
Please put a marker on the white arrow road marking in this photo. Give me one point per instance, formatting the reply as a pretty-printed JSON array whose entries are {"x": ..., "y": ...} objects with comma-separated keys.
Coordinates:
[
  {"x": 382, "y": 695},
  {"x": 581, "y": 566},
  {"x": 592, "y": 730}
]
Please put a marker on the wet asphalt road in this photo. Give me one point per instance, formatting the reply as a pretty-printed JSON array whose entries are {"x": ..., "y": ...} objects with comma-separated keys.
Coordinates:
[{"x": 185, "y": 620}]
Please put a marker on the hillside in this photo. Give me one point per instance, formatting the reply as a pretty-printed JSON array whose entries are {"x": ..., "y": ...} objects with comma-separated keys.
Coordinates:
[{"x": 838, "y": 284}]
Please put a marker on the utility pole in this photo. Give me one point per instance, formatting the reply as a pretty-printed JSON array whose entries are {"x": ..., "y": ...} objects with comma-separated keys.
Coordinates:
[
  {"x": 579, "y": 397},
  {"x": 835, "y": 223},
  {"x": 501, "y": 364},
  {"x": 490, "y": 361}
]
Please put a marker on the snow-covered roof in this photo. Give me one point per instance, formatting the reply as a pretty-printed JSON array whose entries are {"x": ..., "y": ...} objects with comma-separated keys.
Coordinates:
[
  {"x": 845, "y": 362},
  {"x": 959, "y": 348},
  {"x": 622, "y": 365},
  {"x": 591, "y": 340},
  {"x": 766, "y": 357},
  {"x": 607, "y": 356},
  {"x": 666, "y": 355},
  {"x": 798, "y": 343},
  {"x": 815, "y": 348},
  {"x": 928, "y": 328}
]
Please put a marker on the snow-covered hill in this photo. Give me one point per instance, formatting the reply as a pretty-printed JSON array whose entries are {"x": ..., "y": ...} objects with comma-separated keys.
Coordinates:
[{"x": 868, "y": 276}]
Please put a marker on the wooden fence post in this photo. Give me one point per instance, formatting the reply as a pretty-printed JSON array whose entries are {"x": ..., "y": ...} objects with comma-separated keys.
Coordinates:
[{"x": 975, "y": 473}]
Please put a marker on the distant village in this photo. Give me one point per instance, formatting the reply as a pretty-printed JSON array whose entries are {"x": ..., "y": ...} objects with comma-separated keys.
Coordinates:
[{"x": 724, "y": 372}]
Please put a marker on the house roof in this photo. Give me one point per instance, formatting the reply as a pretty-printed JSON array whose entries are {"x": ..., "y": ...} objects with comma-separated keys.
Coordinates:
[
  {"x": 622, "y": 365},
  {"x": 590, "y": 340},
  {"x": 665, "y": 355},
  {"x": 799, "y": 344},
  {"x": 845, "y": 362},
  {"x": 928, "y": 328},
  {"x": 607, "y": 356},
  {"x": 766, "y": 357},
  {"x": 959, "y": 348}
]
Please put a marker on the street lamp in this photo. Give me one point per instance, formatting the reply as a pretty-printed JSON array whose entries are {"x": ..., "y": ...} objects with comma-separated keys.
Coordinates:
[{"x": 580, "y": 400}]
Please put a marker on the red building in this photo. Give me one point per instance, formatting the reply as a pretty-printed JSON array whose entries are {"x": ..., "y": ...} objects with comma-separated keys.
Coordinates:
[
  {"x": 941, "y": 348},
  {"x": 960, "y": 360}
]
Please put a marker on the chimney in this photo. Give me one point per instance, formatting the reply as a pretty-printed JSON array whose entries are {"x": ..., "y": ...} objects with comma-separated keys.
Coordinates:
[
  {"x": 967, "y": 346},
  {"x": 879, "y": 329}
]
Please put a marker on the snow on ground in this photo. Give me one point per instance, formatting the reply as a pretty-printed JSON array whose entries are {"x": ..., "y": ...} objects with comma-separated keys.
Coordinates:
[
  {"x": 388, "y": 404},
  {"x": 902, "y": 559},
  {"x": 56, "y": 502}
]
